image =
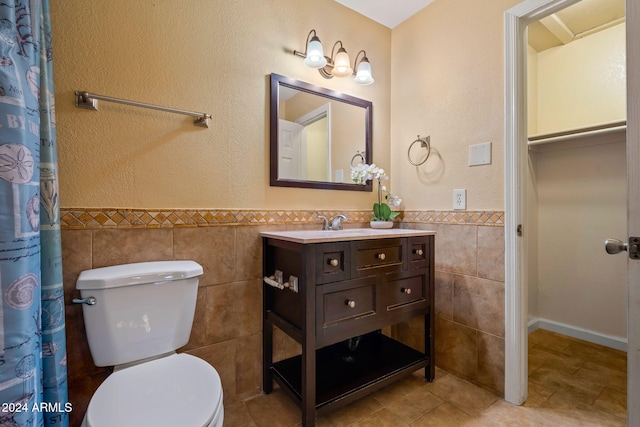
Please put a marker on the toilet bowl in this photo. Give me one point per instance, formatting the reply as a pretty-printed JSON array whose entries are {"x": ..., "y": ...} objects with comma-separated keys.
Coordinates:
[
  {"x": 176, "y": 390},
  {"x": 136, "y": 316}
]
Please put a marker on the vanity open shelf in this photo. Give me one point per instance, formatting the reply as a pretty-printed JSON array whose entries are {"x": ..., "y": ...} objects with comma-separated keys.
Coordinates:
[
  {"x": 344, "y": 374},
  {"x": 342, "y": 288}
]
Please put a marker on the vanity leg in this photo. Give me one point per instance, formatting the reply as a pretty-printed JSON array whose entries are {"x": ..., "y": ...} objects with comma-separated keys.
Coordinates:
[
  {"x": 430, "y": 318},
  {"x": 267, "y": 356},
  {"x": 429, "y": 346},
  {"x": 308, "y": 387},
  {"x": 308, "y": 294}
]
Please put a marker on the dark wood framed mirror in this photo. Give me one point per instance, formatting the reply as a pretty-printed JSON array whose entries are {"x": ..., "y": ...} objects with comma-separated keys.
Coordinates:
[{"x": 317, "y": 134}]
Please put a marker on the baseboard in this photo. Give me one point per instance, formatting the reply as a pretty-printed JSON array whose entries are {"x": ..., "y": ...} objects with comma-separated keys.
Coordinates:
[{"x": 575, "y": 332}]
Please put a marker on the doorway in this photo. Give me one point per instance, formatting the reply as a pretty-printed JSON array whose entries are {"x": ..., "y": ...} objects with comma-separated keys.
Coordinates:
[
  {"x": 576, "y": 191},
  {"x": 516, "y": 166}
]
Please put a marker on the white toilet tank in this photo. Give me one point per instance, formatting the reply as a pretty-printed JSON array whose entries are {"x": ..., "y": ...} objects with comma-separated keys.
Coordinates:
[{"x": 141, "y": 310}]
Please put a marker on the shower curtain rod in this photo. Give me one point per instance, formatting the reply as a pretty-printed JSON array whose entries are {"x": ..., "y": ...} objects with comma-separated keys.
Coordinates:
[{"x": 90, "y": 101}]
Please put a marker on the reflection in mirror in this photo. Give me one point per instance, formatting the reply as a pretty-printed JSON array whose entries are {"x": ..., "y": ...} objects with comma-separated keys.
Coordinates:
[{"x": 317, "y": 135}]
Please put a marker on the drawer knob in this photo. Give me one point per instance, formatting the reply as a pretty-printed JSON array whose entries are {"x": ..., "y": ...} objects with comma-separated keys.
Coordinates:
[
  {"x": 381, "y": 256},
  {"x": 418, "y": 252},
  {"x": 351, "y": 303},
  {"x": 334, "y": 262},
  {"x": 406, "y": 291}
]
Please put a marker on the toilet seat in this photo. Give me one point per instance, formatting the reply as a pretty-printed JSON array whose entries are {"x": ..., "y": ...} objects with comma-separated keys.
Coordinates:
[{"x": 177, "y": 390}]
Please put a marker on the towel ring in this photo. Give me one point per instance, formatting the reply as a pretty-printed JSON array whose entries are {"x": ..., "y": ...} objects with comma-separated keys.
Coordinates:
[
  {"x": 424, "y": 143},
  {"x": 359, "y": 154}
]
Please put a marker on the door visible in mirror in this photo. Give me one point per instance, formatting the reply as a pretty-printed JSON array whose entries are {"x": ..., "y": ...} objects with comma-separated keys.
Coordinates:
[{"x": 317, "y": 135}]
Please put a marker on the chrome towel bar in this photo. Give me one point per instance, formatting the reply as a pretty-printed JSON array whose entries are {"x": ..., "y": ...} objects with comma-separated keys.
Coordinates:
[{"x": 90, "y": 101}]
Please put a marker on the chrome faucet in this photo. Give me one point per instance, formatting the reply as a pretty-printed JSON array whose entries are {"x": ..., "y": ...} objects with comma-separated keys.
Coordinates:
[
  {"x": 336, "y": 222},
  {"x": 325, "y": 222}
]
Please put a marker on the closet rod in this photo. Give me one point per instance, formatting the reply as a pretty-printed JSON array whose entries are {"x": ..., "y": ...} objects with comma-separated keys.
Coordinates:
[
  {"x": 90, "y": 101},
  {"x": 602, "y": 129}
]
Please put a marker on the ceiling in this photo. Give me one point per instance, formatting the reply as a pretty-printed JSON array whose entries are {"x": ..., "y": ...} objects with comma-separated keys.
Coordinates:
[
  {"x": 583, "y": 18},
  {"x": 386, "y": 12}
]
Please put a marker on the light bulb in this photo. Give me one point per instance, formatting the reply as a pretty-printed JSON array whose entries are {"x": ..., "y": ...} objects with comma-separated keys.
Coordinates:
[
  {"x": 341, "y": 66},
  {"x": 315, "y": 56},
  {"x": 363, "y": 75}
]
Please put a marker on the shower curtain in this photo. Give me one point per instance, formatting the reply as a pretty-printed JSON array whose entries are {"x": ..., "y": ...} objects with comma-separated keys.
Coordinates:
[{"x": 33, "y": 374}]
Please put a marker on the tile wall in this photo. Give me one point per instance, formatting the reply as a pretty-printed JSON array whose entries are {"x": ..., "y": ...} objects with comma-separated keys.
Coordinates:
[
  {"x": 469, "y": 304},
  {"x": 227, "y": 326}
]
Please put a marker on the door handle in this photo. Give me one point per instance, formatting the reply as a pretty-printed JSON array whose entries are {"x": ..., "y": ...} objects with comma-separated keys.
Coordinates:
[{"x": 615, "y": 246}]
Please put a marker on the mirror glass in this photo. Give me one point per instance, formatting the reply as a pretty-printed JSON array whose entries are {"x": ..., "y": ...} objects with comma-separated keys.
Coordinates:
[{"x": 317, "y": 135}]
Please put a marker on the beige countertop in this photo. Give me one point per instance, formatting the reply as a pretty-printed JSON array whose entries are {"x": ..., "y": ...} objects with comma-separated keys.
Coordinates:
[{"x": 323, "y": 236}]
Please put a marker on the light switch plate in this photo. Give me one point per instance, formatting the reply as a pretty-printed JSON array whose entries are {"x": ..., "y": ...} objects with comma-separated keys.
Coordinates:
[{"x": 480, "y": 154}]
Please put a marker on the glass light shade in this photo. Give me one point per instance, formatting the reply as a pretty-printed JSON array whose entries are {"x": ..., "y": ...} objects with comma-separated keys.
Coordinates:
[
  {"x": 363, "y": 74},
  {"x": 315, "y": 56},
  {"x": 341, "y": 66}
]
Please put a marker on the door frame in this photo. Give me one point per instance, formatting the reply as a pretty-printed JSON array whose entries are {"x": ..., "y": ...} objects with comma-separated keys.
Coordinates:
[
  {"x": 323, "y": 111},
  {"x": 516, "y": 291},
  {"x": 633, "y": 211}
]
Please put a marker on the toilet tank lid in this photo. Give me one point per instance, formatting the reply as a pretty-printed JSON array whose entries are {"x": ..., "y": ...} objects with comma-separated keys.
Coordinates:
[{"x": 137, "y": 274}]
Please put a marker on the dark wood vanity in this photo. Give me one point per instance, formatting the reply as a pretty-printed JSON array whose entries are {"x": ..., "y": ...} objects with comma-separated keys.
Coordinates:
[{"x": 333, "y": 292}]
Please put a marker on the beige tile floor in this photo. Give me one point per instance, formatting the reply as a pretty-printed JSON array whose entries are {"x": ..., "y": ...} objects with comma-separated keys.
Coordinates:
[{"x": 571, "y": 383}]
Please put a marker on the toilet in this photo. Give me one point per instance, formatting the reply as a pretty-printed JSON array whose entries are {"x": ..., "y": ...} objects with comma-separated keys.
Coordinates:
[{"x": 136, "y": 316}]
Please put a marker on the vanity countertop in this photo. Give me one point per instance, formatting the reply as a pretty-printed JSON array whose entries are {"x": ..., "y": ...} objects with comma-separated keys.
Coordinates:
[{"x": 323, "y": 236}]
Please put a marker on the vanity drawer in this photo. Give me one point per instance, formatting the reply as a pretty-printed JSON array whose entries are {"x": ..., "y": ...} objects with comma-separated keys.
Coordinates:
[
  {"x": 345, "y": 309},
  {"x": 349, "y": 303},
  {"x": 418, "y": 256},
  {"x": 376, "y": 256},
  {"x": 405, "y": 292},
  {"x": 332, "y": 261}
]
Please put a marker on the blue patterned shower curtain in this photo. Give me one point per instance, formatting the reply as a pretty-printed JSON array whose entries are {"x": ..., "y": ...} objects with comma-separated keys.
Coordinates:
[{"x": 33, "y": 372}]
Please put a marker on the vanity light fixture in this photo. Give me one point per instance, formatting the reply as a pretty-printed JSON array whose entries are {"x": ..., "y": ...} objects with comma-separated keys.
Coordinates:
[
  {"x": 338, "y": 64},
  {"x": 341, "y": 65},
  {"x": 313, "y": 54},
  {"x": 363, "y": 69}
]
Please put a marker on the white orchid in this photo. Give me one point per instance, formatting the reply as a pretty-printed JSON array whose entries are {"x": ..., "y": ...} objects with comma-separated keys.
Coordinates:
[{"x": 362, "y": 173}]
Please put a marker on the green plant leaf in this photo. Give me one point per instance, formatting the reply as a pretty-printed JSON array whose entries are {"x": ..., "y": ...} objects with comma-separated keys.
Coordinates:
[
  {"x": 376, "y": 212},
  {"x": 385, "y": 211},
  {"x": 382, "y": 212}
]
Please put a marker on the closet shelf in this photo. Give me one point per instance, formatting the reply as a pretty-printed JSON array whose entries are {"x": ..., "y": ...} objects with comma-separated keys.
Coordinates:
[{"x": 604, "y": 133}]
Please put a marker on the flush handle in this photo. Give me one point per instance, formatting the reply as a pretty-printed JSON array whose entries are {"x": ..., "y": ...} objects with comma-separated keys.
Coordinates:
[{"x": 87, "y": 301}]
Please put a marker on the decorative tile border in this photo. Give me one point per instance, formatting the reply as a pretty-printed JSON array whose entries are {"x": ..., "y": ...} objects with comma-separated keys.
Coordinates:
[
  {"x": 96, "y": 218},
  {"x": 495, "y": 218}
]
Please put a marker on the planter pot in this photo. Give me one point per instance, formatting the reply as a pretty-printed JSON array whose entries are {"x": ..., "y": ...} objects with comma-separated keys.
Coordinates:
[{"x": 381, "y": 224}]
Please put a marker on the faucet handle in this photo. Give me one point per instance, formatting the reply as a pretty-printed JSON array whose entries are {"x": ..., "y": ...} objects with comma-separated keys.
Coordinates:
[
  {"x": 325, "y": 222},
  {"x": 336, "y": 222}
]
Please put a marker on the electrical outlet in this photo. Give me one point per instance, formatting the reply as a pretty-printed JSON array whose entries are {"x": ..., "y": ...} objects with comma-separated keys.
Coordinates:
[{"x": 460, "y": 199}]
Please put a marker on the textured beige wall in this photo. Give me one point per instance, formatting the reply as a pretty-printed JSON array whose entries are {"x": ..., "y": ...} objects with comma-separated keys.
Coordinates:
[
  {"x": 211, "y": 56},
  {"x": 448, "y": 82},
  {"x": 583, "y": 83},
  {"x": 579, "y": 284}
]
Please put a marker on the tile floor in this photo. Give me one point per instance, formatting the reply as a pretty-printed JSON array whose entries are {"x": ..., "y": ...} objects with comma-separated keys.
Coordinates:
[{"x": 571, "y": 383}]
